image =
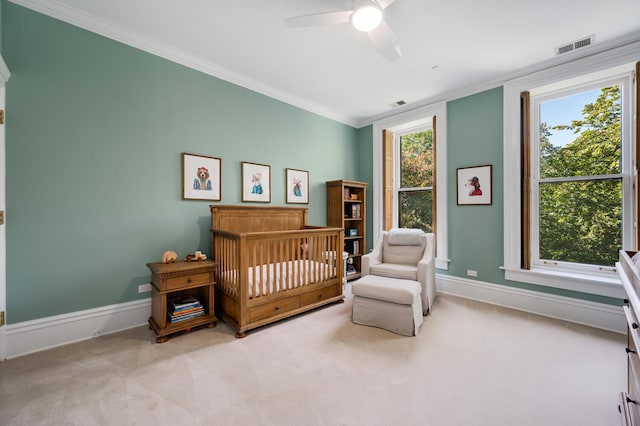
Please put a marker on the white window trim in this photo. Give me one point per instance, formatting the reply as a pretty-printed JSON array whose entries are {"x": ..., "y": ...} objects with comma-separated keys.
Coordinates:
[
  {"x": 4, "y": 77},
  {"x": 399, "y": 123},
  {"x": 539, "y": 96},
  {"x": 397, "y": 162},
  {"x": 598, "y": 64}
]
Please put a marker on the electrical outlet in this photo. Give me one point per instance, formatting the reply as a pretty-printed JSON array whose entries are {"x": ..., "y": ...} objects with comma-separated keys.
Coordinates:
[
  {"x": 144, "y": 288},
  {"x": 472, "y": 273}
]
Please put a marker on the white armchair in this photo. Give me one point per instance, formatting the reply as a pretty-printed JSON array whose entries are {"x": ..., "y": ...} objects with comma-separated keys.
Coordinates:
[{"x": 405, "y": 254}]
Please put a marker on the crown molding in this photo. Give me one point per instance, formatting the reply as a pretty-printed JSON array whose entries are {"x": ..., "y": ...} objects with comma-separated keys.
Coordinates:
[{"x": 75, "y": 17}]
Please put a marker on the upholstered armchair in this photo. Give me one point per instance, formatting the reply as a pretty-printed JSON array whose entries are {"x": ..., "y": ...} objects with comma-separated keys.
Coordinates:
[{"x": 405, "y": 254}]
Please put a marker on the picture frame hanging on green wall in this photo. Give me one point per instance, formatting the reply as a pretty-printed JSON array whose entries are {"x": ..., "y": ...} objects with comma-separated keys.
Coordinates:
[
  {"x": 474, "y": 185},
  {"x": 256, "y": 182},
  {"x": 297, "y": 186},
  {"x": 201, "y": 177}
]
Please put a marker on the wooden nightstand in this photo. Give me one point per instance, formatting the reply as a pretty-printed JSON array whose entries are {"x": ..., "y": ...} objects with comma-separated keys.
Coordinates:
[{"x": 177, "y": 280}]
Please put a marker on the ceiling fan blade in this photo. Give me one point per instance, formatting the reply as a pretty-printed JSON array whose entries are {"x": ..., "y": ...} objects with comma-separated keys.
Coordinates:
[
  {"x": 385, "y": 3},
  {"x": 385, "y": 42},
  {"x": 319, "y": 19}
]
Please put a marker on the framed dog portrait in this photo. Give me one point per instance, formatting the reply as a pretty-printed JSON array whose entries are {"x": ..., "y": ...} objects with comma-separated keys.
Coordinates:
[
  {"x": 256, "y": 182},
  {"x": 474, "y": 185},
  {"x": 297, "y": 186},
  {"x": 201, "y": 177}
]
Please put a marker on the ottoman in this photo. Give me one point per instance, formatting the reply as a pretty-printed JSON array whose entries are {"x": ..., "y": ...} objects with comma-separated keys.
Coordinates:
[{"x": 389, "y": 303}]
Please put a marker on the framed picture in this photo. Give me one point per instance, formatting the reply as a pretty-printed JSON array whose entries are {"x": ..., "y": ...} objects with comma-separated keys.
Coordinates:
[
  {"x": 201, "y": 177},
  {"x": 256, "y": 182},
  {"x": 474, "y": 185},
  {"x": 297, "y": 186}
]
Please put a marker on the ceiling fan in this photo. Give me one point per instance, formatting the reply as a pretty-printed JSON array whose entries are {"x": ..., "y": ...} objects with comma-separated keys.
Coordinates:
[{"x": 365, "y": 16}]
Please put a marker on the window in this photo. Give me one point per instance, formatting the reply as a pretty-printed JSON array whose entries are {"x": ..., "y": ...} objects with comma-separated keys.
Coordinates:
[
  {"x": 414, "y": 172},
  {"x": 578, "y": 172},
  {"x": 568, "y": 185},
  {"x": 404, "y": 200}
]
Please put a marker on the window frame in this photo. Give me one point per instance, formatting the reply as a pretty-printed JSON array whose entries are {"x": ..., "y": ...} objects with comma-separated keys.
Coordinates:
[
  {"x": 397, "y": 165},
  {"x": 398, "y": 123},
  {"x": 601, "y": 65},
  {"x": 541, "y": 95}
]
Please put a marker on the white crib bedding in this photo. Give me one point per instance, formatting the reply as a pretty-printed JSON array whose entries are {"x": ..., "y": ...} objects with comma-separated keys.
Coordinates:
[{"x": 274, "y": 277}]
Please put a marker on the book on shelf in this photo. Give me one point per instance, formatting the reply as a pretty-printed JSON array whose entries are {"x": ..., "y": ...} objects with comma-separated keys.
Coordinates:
[
  {"x": 355, "y": 211},
  {"x": 174, "y": 319},
  {"x": 183, "y": 308},
  {"x": 184, "y": 302},
  {"x": 194, "y": 312},
  {"x": 186, "y": 311},
  {"x": 352, "y": 247}
]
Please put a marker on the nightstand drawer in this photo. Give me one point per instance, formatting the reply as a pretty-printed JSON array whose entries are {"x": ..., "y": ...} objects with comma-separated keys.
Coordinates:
[{"x": 187, "y": 281}]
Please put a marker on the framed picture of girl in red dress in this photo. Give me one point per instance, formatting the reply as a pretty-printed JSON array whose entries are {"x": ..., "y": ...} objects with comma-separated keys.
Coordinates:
[{"x": 474, "y": 185}]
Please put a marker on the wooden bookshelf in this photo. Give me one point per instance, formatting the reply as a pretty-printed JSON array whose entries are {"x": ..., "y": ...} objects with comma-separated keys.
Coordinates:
[{"x": 346, "y": 209}]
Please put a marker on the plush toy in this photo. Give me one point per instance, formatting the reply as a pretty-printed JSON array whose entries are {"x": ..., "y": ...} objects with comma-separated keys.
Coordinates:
[{"x": 169, "y": 257}]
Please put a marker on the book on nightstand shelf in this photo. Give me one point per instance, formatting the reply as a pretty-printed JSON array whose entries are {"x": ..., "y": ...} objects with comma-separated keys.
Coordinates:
[{"x": 184, "y": 308}]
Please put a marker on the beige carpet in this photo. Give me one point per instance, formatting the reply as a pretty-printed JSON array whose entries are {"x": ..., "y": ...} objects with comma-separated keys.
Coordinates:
[{"x": 471, "y": 364}]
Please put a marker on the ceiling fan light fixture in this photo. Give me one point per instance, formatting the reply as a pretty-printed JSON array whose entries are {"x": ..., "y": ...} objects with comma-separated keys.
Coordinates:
[{"x": 367, "y": 15}]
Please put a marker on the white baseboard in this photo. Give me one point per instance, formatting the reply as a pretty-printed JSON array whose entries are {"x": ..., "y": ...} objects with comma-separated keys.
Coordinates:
[
  {"x": 44, "y": 333},
  {"x": 594, "y": 314}
]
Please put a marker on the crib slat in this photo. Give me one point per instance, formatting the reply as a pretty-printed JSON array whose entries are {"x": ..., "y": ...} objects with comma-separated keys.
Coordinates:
[
  {"x": 319, "y": 270},
  {"x": 260, "y": 264},
  {"x": 319, "y": 250},
  {"x": 271, "y": 261},
  {"x": 281, "y": 261},
  {"x": 254, "y": 270},
  {"x": 305, "y": 262},
  {"x": 329, "y": 264},
  {"x": 300, "y": 276},
  {"x": 265, "y": 265}
]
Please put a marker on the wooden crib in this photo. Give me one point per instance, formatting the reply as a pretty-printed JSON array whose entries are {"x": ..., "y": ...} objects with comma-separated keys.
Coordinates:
[{"x": 272, "y": 265}]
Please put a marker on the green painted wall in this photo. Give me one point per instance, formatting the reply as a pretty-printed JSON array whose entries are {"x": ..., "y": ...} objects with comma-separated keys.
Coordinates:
[
  {"x": 1, "y": 8},
  {"x": 474, "y": 138},
  {"x": 364, "y": 158},
  {"x": 94, "y": 141}
]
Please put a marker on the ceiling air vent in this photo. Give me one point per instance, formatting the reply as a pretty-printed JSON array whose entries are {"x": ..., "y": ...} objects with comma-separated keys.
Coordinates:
[
  {"x": 397, "y": 103},
  {"x": 574, "y": 45}
]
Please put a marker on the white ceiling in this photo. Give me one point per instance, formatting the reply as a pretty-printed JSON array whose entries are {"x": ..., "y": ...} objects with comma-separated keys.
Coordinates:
[{"x": 449, "y": 47}]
